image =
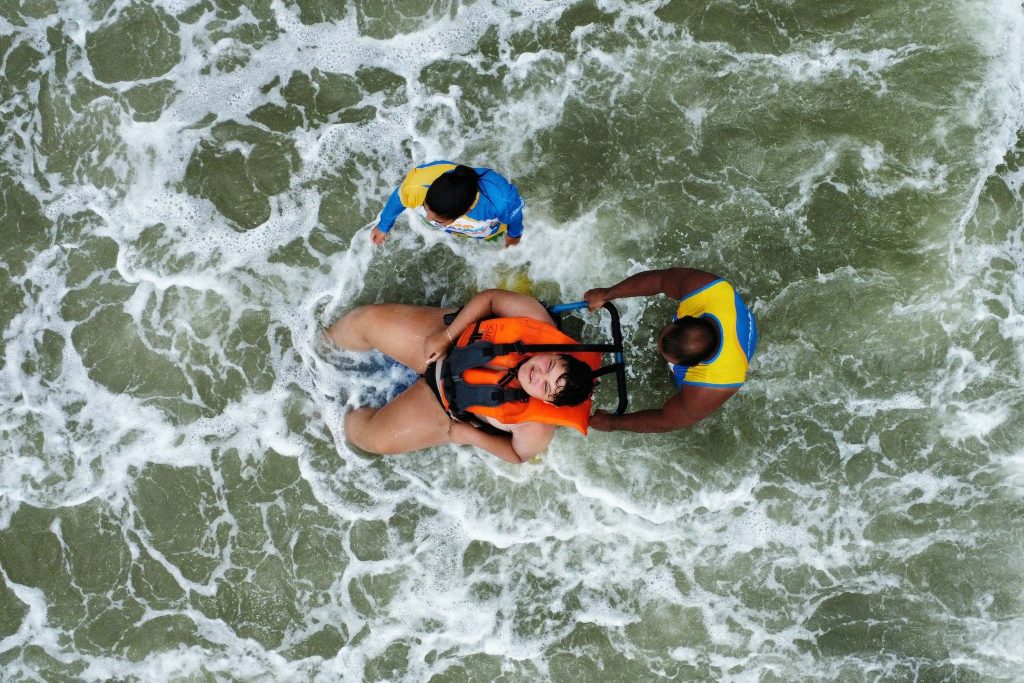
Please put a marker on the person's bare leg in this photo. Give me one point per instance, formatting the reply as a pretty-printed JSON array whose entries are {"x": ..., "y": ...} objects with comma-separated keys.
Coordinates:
[
  {"x": 397, "y": 330},
  {"x": 412, "y": 421}
]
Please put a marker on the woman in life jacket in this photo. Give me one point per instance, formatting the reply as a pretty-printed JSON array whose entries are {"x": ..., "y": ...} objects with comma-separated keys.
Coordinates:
[{"x": 416, "y": 336}]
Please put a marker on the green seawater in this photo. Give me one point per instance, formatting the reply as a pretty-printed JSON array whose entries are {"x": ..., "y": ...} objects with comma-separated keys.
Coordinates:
[{"x": 184, "y": 194}]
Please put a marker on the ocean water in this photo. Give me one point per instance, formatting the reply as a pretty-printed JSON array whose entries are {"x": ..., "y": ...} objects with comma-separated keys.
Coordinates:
[{"x": 184, "y": 190}]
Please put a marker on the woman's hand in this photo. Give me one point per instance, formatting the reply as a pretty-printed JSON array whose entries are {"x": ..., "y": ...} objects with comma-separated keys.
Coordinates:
[
  {"x": 377, "y": 237},
  {"x": 436, "y": 345},
  {"x": 462, "y": 433}
]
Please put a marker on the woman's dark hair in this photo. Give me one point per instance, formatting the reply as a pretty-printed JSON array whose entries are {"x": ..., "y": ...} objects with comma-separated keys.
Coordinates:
[
  {"x": 690, "y": 340},
  {"x": 579, "y": 382},
  {"x": 451, "y": 195}
]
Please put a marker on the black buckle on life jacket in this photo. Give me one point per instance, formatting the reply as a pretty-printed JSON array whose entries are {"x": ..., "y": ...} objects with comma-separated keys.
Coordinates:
[
  {"x": 510, "y": 348},
  {"x": 507, "y": 378},
  {"x": 487, "y": 396},
  {"x": 473, "y": 355}
]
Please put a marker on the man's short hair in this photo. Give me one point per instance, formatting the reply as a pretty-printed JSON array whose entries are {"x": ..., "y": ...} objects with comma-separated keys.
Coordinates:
[
  {"x": 579, "y": 382},
  {"x": 690, "y": 340},
  {"x": 452, "y": 194}
]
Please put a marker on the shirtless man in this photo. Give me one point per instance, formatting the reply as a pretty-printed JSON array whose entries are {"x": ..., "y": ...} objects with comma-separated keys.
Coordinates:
[{"x": 417, "y": 337}]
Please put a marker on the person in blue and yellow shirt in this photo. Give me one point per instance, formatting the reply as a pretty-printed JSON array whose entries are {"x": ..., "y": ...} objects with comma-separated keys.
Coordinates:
[
  {"x": 708, "y": 345},
  {"x": 470, "y": 202}
]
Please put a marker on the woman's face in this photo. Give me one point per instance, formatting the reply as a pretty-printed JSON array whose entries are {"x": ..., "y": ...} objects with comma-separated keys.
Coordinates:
[{"x": 542, "y": 376}]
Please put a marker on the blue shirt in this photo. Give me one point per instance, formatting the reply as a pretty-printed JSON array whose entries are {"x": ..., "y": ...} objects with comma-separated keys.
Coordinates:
[{"x": 498, "y": 206}]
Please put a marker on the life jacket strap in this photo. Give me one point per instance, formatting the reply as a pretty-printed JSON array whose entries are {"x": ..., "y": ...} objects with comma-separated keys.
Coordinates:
[
  {"x": 511, "y": 374},
  {"x": 484, "y": 352},
  {"x": 486, "y": 396},
  {"x": 465, "y": 358},
  {"x": 519, "y": 347}
]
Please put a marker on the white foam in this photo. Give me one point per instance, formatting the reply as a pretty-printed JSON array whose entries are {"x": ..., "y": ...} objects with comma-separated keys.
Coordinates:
[{"x": 587, "y": 517}]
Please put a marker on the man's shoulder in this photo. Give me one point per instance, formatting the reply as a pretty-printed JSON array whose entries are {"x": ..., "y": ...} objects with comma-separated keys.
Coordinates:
[
  {"x": 681, "y": 283},
  {"x": 699, "y": 284}
]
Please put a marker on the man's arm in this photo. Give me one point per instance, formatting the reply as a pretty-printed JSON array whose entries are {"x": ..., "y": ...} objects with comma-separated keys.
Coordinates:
[
  {"x": 387, "y": 217},
  {"x": 673, "y": 282},
  {"x": 512, "y": 216},
  {"x": 408, "y": 195},
  {"x": 514, "y": 224},
  {"x": 687, "y": 408}
]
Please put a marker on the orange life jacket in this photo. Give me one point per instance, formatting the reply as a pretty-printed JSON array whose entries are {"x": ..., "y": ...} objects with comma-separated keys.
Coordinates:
[{"x": 467, "y": 386}]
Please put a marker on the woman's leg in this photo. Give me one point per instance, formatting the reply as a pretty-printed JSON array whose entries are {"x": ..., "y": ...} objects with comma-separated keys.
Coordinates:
[
  {"x": 412, "y": 421},
  {"x": 397, "y": 330}
]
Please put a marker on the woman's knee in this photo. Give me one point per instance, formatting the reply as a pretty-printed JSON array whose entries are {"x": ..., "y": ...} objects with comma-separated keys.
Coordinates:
[
  {"x": 357, "y": 430},
  {"x": 349, "y": 331},
  {"x": 361, "y": 433}
]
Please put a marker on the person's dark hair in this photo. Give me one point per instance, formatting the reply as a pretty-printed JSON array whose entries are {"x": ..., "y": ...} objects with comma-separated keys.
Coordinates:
[
  {"x": 453, "y": 192},
  {"x": 690, "y": 340},
  {"x": 579, "y": 382}
]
